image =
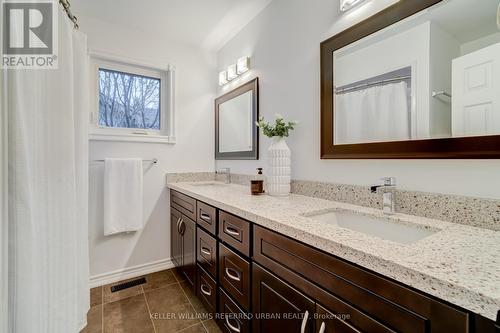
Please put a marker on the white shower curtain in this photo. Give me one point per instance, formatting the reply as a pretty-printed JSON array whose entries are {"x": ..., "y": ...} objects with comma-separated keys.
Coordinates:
[
  {"x": 379, "y": 113},
  {"x": 48, "y": 268}
]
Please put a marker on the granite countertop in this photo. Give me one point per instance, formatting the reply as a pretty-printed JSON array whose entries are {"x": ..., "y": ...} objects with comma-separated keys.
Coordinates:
[{"x": 459, "y": 264}]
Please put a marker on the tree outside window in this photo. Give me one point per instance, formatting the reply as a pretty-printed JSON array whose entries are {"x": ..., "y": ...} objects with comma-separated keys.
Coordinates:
[{"x": 128, "y": 100}]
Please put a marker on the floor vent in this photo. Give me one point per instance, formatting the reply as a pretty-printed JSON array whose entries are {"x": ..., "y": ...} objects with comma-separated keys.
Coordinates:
[{"x": 128, "y": 284}]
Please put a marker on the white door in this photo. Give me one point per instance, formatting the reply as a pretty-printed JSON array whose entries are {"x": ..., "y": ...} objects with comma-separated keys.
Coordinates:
[{"x": 476, "y": 93}]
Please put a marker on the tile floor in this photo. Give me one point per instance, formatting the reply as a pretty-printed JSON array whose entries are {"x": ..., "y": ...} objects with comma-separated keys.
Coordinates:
[{"x": 163, "y": 304}]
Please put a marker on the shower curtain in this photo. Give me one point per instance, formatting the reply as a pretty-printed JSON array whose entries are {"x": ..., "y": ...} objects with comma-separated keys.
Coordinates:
[
  {"x": 48, "y": 268},
  {"x": 379, "y": 113}
]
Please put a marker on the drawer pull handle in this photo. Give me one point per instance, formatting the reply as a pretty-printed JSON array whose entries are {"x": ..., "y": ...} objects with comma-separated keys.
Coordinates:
[
  {"x": 206, "y": 289},
  {"x": 231, "y": 327},
  {"x": 233, "y": 275},
  {"x": 231, "y": 231},
  {"x": 322, "y": 328},
  {"x": 205, "y": 217},
  {"x": 206, "y": 251},
  {"x": 304, "y": 322}
]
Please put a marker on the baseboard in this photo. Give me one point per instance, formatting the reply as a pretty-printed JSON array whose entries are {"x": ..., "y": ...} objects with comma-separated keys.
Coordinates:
[{"x": 130, "y": 272}]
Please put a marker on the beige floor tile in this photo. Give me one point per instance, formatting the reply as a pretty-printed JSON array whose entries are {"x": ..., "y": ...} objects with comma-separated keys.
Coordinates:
[
  {"x": 159, "y": 280},
  {"x": 162, "y": 300},
  {"x": 178, "y": 317},
  {"x": 95, "y": 296},
  {"x": 199, "y": 328},
  {"x": 94, "y": 320},
  {"x": 187, "y": 289},
  {"x": 110, "y": 296},
  {"x": 198, "y": 306},
  {"x": 129, "y": 315},
  {"x": 211, "y": 326}
]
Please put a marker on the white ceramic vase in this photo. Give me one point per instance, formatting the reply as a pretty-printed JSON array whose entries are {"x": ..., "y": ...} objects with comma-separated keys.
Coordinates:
[{"x": 279, "y": 175}]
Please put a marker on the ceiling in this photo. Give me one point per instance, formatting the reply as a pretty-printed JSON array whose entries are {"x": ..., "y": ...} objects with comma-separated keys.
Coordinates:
[
  {"x": 467, "y": 20},
  {"x": 205, "y": 23}
]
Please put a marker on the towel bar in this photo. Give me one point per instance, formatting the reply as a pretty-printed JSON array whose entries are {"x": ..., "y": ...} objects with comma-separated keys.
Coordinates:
[
  {"x": 153, "y": 161},
  {"x": 441, "y": 93}
]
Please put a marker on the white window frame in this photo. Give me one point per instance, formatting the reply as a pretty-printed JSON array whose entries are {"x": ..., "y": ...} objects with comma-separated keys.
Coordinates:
[{"x": 166, "y": 74}]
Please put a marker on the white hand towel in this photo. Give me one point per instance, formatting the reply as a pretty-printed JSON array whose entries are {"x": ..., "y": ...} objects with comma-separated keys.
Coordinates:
[{"x": 123, "y": 195}]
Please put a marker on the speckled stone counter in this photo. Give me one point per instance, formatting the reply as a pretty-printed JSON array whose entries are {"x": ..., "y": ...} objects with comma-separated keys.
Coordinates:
[{"x": 459, "y": 264}]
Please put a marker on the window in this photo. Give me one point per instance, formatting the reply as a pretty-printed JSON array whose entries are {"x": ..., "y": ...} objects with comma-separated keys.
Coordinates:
[
  {"x": 128, "y": 100},
  {"x": 133, "y": 102}
]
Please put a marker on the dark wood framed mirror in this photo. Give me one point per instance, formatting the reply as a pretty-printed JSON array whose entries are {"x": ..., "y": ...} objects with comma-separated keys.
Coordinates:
[
  {"x": 236, "y": 135},
  {"x": 377, "y": 104}
]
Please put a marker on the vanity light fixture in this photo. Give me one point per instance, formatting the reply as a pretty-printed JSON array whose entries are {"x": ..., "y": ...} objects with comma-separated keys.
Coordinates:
[
  {"x": 345, "y": 5},
  {"x": 242, "y": 65},
  {"x": 231, "y": 72},
  {"x": 223, "y": 78}
]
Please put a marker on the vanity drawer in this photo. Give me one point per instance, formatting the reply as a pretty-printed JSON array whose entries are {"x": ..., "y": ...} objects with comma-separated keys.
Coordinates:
[
  {"x": 206, "y": 253},
  {"x": 386, "y": 301},
  {"x": 207, "y": 217},
  {"x": 206, "y": 290},
  {"x": 235, "y": 232},
  {"x": 234, "y": 275},
  {"x": 232, "y": 318},
  {"x": 184, "y": 204}
]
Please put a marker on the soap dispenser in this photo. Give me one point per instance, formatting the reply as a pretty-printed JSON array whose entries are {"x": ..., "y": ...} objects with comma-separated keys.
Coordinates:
[{"x": 257, "y": 184}]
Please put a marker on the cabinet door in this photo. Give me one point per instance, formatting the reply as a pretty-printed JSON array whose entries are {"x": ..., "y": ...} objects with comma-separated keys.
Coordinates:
[
  {"x": 188, "y": 231},
  {"x": 175, "y": 238},
  {"x": 278, "y": 307},
  {"x": 327, "y": 322}
]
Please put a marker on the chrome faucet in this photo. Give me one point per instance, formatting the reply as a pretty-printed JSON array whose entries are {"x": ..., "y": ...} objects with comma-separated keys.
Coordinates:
[
  {"x": 227, "y": 172},
  {"x": 388, "y": 188}
]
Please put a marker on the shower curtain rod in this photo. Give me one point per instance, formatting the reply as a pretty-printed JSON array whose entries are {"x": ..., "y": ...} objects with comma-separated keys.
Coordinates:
[
  {"x": 339, "y": 91},
  {"x": 66, "y": 6}
]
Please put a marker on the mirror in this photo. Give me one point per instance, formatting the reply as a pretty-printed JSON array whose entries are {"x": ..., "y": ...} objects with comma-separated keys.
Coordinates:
[
  {"x": 432, "y": 73},
  {"x": 236, "y": 136}
]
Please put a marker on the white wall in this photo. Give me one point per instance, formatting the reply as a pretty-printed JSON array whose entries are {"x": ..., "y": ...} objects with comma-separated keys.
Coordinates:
[
  {"x": 283, "y": 42},
  {"x": 196, "y": 80},
  {"x": 480, "y": 43},
  {"x": 443, "y": 49}
]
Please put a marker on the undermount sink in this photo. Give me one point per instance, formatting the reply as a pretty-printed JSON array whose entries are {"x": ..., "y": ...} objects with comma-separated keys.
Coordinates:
[{"x": 379, "y": 227}]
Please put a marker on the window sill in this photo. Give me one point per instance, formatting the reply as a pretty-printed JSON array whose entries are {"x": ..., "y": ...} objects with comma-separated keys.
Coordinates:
[{"x": 132, "y": 138}]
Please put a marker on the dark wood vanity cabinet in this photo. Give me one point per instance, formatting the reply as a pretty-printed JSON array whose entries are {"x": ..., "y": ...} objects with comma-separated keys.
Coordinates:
[
  {"x": 278, "y": 307},
  {"x": 183, "y": 236},
  {"x": 369, "y": 302},
  {"x": 175, "y": 237},
  {"x": 188, "y": 230},
  {"x": 183, "y": 246},
  {"x": 238, "y": 268}
]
